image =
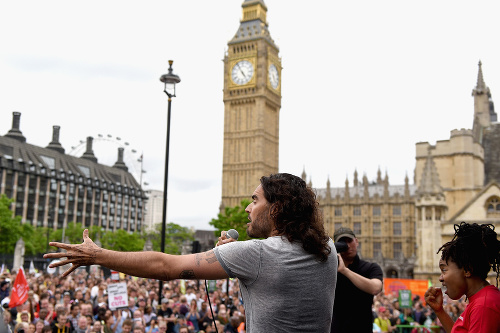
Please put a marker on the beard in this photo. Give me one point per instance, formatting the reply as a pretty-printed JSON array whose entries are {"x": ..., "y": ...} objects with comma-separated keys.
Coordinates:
[{"x": 260, "y": 226}]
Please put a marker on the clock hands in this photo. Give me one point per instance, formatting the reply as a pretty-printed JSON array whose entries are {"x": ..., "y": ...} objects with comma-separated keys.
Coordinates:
[{"x": 241, "y": 70}]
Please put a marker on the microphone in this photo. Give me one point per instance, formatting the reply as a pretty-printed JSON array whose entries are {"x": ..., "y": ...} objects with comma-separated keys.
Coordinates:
[
  {"x": 231, "y": 233},
  {"x": 341, "y": 246}
]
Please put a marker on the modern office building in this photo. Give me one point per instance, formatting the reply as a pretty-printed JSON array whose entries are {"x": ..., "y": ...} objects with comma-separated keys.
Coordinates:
[
  {"x": 154, "y": 209},
  {"x": 52, "y": 189}
]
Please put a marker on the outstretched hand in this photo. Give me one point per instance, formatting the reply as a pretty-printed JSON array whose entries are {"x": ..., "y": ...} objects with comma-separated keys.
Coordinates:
[{"x": 76, "y": 254}]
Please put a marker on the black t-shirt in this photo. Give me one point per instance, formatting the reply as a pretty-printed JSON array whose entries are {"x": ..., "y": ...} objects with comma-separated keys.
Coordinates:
[{"x": 352, "y": 310}]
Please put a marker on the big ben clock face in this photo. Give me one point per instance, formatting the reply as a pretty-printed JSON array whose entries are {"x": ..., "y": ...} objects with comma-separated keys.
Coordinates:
[
  {"x": 274, "y": 76},
  {"x": 242, "y": 72}
]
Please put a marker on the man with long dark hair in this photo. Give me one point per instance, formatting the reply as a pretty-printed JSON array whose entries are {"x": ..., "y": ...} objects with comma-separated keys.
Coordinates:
[{"x": 287, "y": 279}]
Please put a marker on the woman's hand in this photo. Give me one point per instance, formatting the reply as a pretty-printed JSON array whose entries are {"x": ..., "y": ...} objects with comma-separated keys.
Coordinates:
[{"x": 434, "y": 298}]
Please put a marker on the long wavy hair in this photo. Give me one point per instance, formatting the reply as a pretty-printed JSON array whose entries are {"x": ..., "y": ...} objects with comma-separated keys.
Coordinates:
[
  {"x": 474, "y": 248},
  {"x": 296, "y": 213}
]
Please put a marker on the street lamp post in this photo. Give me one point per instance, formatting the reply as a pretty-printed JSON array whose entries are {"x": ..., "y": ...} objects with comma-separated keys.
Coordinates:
[{"x": 169, "y": 80}]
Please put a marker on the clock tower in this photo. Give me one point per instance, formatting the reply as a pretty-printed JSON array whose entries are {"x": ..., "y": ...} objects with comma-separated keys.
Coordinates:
[{"x": 252, "y": 102}]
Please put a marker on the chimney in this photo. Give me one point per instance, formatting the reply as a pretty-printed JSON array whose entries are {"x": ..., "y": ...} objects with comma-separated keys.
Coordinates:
[
  {"x": 15, "y": 132},
  {"x": 89, "y": 153},
  {"x": 55, "y": 144},
  {"x": 120, "y": 164}
]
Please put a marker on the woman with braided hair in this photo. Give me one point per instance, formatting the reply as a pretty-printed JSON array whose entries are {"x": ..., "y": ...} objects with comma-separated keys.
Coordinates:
[{"x": 465, "y": 263}]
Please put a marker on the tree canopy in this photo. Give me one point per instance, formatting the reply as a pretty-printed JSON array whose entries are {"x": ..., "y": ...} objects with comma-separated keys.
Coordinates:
[
  {"x": 233, "y": 218},
  {"x": 36, "y": 239},
  {"x": 11, "y": 228},
  {"x": 175, "y": 237}
]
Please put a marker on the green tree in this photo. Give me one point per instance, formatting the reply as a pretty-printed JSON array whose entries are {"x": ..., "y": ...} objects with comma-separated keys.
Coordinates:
[
  {"x": 11, "y": 228},
  {"x": 232, "y": 218},
  {"x": 72, "y": 234},
  {"x": 175, "y": 236},
  {"x": 38, "y": 242},
  {"x": 120, "y": 240}
]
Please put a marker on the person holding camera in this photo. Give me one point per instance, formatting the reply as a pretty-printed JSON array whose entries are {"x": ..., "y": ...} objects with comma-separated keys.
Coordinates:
[{"x": 357, "y": 282}]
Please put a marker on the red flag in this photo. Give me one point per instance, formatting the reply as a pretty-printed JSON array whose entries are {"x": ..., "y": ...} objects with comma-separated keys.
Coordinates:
[{"x": 19, "y": 290}]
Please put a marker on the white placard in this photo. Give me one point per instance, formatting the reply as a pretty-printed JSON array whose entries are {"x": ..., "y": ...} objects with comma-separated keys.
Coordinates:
[{"x": 117, "y": 296}]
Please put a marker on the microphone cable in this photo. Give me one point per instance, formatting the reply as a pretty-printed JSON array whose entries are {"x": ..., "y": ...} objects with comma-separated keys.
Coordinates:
[
  {"x": 210, "y": 305},
  {"x": 232, "y": 233}
]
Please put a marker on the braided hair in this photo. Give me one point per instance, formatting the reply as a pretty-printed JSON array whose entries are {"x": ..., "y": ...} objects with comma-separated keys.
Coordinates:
[{"x": 475, "y": 248}]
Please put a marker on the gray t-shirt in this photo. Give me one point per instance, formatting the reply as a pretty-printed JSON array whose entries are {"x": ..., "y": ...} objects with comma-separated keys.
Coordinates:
[{"x": 284, "y": 288}]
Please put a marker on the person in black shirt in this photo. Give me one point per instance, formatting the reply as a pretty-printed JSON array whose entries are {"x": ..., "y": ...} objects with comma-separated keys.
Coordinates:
[
  {"x": 165, "y": 310},
  {"x": 357, "y": 282}
]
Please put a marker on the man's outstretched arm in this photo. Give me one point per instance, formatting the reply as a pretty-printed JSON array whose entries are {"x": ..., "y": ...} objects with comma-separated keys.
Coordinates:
[{"x": 155, "y": 265}]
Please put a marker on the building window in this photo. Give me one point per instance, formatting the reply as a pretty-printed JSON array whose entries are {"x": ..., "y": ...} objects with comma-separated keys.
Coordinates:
[
  {"x": 377, "y": 249},
  {"x": 338, "y": 225},
  {"x": 356, "y": 211},
  {"x": 438, "y": 213},
  {"x": 396, "y": 210},
  {"x": 493, "y": 207},
  {"x": 396, "y": 229},
  {"x": 356, "y": 228},
  {"x": 376, "y": 210},
  {"x": 377, "y": 230},
  {"x": 428, "y": 213},
  {"x": 338, "y": 211},
  {"x": 398, "y": 250}
]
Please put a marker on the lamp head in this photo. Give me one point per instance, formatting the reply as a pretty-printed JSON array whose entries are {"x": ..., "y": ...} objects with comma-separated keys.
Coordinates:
[{"x": 170, "y": 80}]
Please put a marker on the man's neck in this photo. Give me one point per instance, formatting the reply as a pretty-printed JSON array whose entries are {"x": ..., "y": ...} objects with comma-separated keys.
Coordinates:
[{"x": 348, "y": 262}]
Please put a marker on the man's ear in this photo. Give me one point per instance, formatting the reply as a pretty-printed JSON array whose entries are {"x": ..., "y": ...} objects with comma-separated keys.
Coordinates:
[{"x": 273, "y": 210}]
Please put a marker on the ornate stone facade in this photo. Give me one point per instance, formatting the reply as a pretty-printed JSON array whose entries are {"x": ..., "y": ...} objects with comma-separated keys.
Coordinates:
[
  {"x": 402, "y": 227},
  {"x": 252, "y": 102}
]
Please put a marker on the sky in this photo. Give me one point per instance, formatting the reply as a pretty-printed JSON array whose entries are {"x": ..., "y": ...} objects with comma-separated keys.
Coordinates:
[{"x": 362, "y": 82}]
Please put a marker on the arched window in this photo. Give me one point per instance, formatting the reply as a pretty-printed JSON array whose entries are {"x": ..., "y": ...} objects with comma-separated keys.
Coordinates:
[{"x": 493, "y": 207}]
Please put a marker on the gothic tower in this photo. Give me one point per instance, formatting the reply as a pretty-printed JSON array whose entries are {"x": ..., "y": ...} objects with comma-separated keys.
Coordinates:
[
  {"x": 431, "y": 212},
  {"x": 252, "y": 101},
  {"x": 484, "y": 111}
]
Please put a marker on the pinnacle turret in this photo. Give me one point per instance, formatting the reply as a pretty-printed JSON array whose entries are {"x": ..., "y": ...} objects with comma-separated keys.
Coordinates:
[{"x": 430, "y": 183}]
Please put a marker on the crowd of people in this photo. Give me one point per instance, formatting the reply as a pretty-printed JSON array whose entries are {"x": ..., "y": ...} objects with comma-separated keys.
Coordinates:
[
  {"x": 291, "y": 278},
  {"x": 79, "y": 304}
]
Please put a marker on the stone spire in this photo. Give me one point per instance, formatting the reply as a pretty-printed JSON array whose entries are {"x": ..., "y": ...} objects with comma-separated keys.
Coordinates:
[
  {"x": 366, "y": 194},
  {"x": 379, "y": 176},
  {"x": 328, "y": 189},
  {"x": 303, "y": 176},
  {"x": 429, "y": 183},
  {"x": 386, "y": 185},
  {"x": 355, "y": 182},
  {"x": 484, "y": 110},
  {"x": 480, "y": 85},
  {"x": 346, "y": 192},
  {"x": 407, "y": 187}
]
